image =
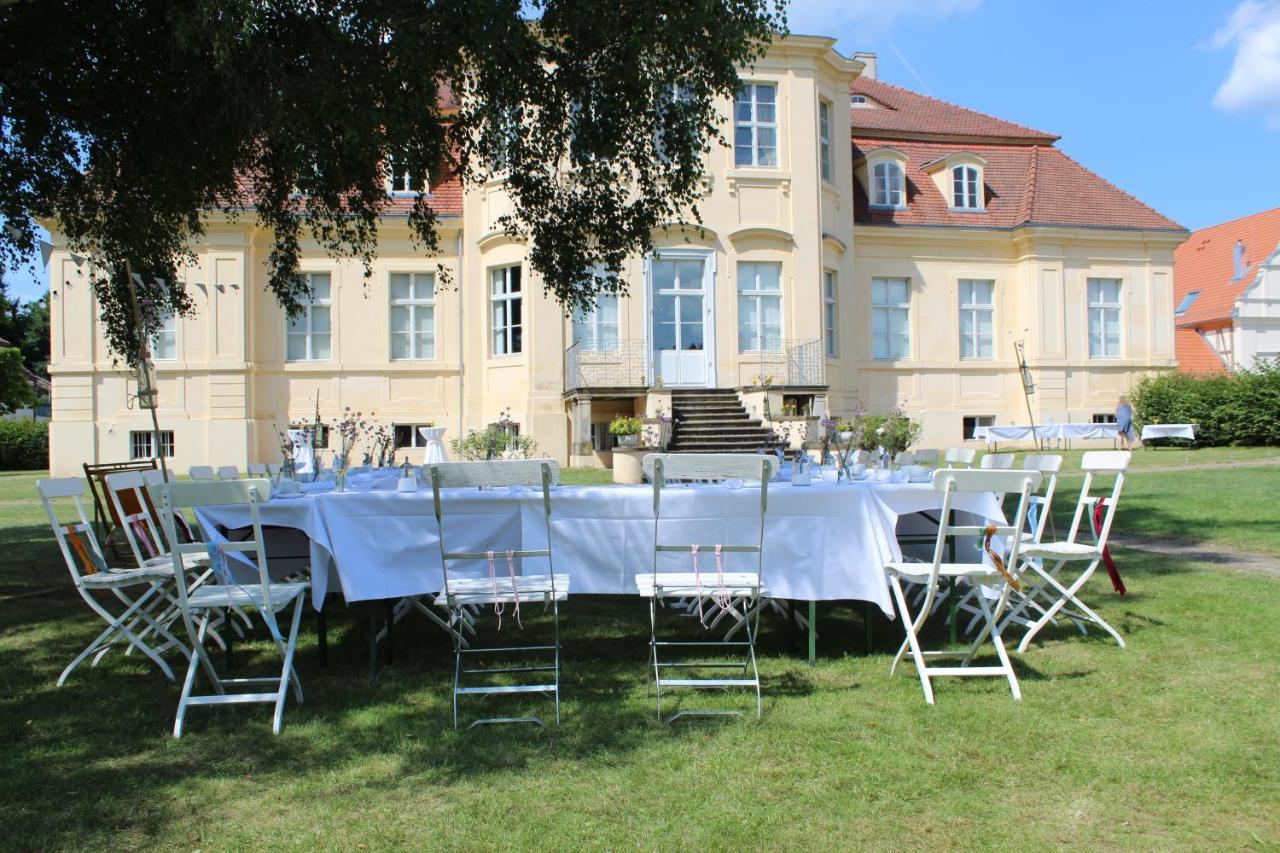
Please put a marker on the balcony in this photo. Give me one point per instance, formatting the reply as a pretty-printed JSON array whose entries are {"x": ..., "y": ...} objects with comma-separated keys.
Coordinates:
[{"x": 796, "y": 363}]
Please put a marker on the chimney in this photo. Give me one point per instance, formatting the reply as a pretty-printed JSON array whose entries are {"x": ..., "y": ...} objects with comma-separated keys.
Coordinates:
[
  {"x": 868, "y": 60},
  {"x": 1240, "y": 263}
]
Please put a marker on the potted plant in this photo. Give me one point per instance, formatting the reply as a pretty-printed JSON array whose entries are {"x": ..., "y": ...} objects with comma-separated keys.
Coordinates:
[{"x": 626, "y": 429}]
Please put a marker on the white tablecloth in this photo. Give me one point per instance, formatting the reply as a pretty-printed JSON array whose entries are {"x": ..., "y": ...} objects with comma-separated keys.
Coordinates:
[
  {"x": 1169, "y": 431},
  {"x": 1017, "y": 432},
  {"x": 822, "y": 542},
  {"x": 434, "y": 437}
]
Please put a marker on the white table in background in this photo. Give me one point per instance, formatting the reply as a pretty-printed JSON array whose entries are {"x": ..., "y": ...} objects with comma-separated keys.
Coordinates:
[
  {"x": 1046, "y": 432},
  {"x": 1187, "y": 431},
  {"x": 434, "y": 437}
]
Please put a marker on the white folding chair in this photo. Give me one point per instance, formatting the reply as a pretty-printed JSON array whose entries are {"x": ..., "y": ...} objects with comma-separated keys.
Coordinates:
[
  {"x": 137, "y": 589},
  {"x": 952, "y": 482},
  {"x": 737, "y": 593},
  {"x": 201, "y": 473},
  {"x": 996, "y": 462},
  {"x": 228, "y": 472},
  {"x": 202, "y": 605},
  {"x": 274, "y": 468},
  {"x": 926, "y": 456},
  {"x": 959, "y": 457},
  {"x": 257, "y": 469},
  {"x": 1047, "y": 560},
  {"x": 466, "y": 589}
]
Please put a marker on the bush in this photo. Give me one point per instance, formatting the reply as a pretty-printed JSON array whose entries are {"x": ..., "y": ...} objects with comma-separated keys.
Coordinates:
[
  {"x": 494, "y": 442},
  {"x": 1242, "y": 409},
  {"x": 625, "y": 425},
  {"x": 24, "y": 446}
]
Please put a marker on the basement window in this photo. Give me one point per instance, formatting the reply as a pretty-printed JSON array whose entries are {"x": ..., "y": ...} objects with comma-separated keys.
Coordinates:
[{"x": 970, "y": 424}]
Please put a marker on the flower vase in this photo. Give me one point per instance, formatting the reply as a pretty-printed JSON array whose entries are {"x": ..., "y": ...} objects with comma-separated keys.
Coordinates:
[{"x": 340, "y": 475}]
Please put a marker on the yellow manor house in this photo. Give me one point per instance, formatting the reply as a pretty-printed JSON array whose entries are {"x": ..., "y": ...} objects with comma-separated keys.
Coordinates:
[{"x": 861, "y": 244}]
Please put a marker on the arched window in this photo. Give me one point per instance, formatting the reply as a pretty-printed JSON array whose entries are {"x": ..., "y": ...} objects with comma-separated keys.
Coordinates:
[
  {"x": 966, "y": 188},
  {"x": 886, "y": 183}
]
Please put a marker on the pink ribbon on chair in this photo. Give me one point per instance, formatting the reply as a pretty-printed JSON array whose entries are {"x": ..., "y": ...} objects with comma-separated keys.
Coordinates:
[
  {"x": 721, "y": 597},
  {"x": 498, "y": 607},
  {"x": 697, "y": 584},
  {"x": 515, "y": 588},
  {"x": 140, "y": 532},
  {"x": 1116, "y": 582}
]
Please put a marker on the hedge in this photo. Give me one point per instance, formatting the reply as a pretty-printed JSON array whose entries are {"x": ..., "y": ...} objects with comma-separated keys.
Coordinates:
[
  {"x": 1241, "y": 409},
  {"x": 24, "y": 446}
]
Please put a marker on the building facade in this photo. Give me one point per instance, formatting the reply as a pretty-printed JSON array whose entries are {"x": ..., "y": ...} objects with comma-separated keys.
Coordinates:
[
  {"x": 1227, "y": 291},
  {"x": 860, "y": 245}
]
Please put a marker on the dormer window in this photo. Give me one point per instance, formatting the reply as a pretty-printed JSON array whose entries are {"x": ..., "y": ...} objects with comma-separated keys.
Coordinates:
[
  {"x": 886, "y": 185},
  {"x": 966, "y": 188},
  {"x": 401, "y": 182}
]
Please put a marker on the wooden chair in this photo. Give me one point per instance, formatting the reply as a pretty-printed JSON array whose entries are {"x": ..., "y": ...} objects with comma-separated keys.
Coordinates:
[{"x": 105, "y": 520}]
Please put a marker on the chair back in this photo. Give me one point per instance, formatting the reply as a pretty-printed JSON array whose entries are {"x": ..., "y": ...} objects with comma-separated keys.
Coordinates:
[
  {"x": 533, "y": 473},
  {"x": 173, "y": 499},
  {"x": 103, "y": 512},
  {"x": 905, "y": 458},
  {"x": 76, "y": 540},
  {"x": 1042, "y": 502},
  {"x": 959, "y": 457},
  {"x": 996, "y": 462},
  {"x": 274, "y": 468},
  {"x": 1093, "y": 463},
  {"x": 257, "y": 469},
  {"x": 751, "y": 469},
  {"x": 954, "y": 481},
  {"x": 926, "y": 456},
  {"x": 201, "y": 473},
  {"x": 228, "y": 472},
  {"x": 127, "y": 491}
]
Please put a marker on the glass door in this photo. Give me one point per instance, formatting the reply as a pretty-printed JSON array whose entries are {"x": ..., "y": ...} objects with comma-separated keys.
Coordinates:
[{"x": 681, "y": 314}]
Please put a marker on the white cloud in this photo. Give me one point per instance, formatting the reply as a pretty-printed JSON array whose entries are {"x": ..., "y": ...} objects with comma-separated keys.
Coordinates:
[
  {"x": 867, "y": 20},
  {"x": 1253, "y": 84}
]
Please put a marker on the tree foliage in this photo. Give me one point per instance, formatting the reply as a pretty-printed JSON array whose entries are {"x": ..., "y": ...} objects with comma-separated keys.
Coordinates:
[
  {"x": 1238, "y": 409},
  {"x": 15, "y": 387},
  {"x": 123, "y": 121}
]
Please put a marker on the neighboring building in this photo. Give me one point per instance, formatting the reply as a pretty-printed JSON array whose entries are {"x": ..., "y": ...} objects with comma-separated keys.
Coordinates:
[
  {"x": 835, "y": 288},
  {"x": 1227, "y": 285}
]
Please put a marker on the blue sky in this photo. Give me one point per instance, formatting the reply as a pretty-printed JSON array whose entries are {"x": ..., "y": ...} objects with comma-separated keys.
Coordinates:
[{"x": 1175, "y": 101}]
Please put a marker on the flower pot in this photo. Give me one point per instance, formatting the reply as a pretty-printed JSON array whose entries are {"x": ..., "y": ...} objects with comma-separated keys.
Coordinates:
[
  {"x": 628, "y": 440},
  {"x": 846, "y": 437}
]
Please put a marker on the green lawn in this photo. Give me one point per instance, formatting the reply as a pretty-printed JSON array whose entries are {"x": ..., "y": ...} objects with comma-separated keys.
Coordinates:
[{"x": 1173, "y": 742}]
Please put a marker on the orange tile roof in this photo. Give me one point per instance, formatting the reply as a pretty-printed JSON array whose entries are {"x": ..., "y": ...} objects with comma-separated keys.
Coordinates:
[
  {"x": 1194, "y": 353},
  {"x": 445, "y": 197},
  {"x": 1022, "y": 185},
  {"x": 1206, "y": 262},
  {"x": 909, "y": 114}
]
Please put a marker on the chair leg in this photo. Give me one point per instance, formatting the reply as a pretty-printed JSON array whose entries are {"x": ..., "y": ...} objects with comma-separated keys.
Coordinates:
[
  {"x": 909, "y": 626},
  {"x": 287, "y": 674},
  {"x": 993, "y": 627},
  {"x": 457, "y": 669},
  {"x": 653, "y": 654},
  {"x": 189, "y": 682}
]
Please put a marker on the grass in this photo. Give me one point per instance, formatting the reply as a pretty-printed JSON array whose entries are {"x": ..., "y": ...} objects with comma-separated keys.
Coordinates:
[{"x": 1173, "y": 742}]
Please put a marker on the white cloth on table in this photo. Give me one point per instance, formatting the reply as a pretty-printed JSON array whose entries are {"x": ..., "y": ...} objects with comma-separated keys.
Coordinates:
[
  {"x": 434, "y": 437},
  {"x": 822, "y": 542},
  {"x": 303, "y": 455},
  {"x": 1169, "y": 431},
  {"x": 1017, "y": 432}
]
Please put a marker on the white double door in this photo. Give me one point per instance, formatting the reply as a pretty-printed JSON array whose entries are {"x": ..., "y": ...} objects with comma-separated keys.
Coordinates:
[{"x": 680, "y": 288}]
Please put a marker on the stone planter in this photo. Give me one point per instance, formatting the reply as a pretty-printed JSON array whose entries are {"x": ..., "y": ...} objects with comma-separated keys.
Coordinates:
[
  {"x": 628, "y": 441},
  {"x": 626, "y": 465}
]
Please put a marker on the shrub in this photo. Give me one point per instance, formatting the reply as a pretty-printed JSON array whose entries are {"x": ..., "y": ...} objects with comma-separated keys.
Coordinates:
[
  {"x": 1242, "y": 409},
  {"x": 24, "y": 446},
  {"x": 494, "y": 441},
  {"x": 625, "y": 425}
]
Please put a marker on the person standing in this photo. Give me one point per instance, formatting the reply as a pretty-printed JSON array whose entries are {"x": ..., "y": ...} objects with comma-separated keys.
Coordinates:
[{"x": 1124, "y": 423}]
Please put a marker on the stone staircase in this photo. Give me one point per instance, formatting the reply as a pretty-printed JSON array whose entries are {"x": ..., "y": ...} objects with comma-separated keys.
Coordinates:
[{"x": 713, "y": 420}]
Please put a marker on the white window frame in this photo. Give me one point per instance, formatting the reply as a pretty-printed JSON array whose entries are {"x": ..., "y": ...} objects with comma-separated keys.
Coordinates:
[
  {"x": 166, "y": 332},
  {"x": 1106, "y": 316},
  {"x": 889, "y": 310},
  {"x": 400, "y": 183},
  {"x": 308, "y": 332},
  {"x": 590, "y": 332},
  {"x": 830, "y": 313},
  {"x": 142, "y": 444},
  {"x": 414, "y": 304},
  {"x": 824, "y": 140},
  {"x": 505, "y": 337},
  {"x": 760, "y": 296},
  {"x": 975, "y": 310},
  {"x": 747, "y": 94},
  {"x": 882, "y": 193},
  {"x": 416, "y": 441},
  {"x": 966, "y": 187}
]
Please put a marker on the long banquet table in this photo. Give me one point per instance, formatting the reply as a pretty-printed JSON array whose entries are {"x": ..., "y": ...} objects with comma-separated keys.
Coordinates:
[
  {"x": 1060, "y": 432},
  {"x": 822, "y": 542}
]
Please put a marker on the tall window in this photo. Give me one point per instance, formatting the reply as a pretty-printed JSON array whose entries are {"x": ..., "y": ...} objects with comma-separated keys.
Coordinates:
[
  {"x": 824, "y": 139},
  {"x": 755, "y": 135},
  {"x": 164, "y": 343},
  {"x": 506, "y": 307},
  {"x": 1104, "y": 318},
  {"x": 977, "y": 318},
  {"x": 829, "y": 311},
  {"x": 759, "y": 306},
  {"x": 891, "y": 317},
  {"x": 310, "y": 334},
  {"x": 408, "y": 435},
  {"x": 142, "y": 444},
  {"x": 886, "y": 180},
  {"x": 413, "y": 315},
  {"x": 597, "y": 330},
  {"x": 965, "y": 189}
]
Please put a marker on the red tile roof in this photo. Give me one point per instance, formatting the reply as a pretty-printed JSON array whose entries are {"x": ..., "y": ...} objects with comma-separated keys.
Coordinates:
[
  {"x": 1022, "y": 185},
  {"x": 1206, "y": 262},
  {"x": 1194, "y": 353},
  {"x": 909, "y": 114},
  {"x": 445, "y": 197}
]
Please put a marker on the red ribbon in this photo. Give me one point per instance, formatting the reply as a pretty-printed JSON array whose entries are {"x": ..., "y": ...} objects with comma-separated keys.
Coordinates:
[{"x": 1116, "y": 582}]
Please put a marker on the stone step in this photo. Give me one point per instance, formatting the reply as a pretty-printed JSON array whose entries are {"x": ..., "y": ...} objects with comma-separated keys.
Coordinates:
[
  {"x": 723, "y": 429},
  {"x": 718, "y": 419}
]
